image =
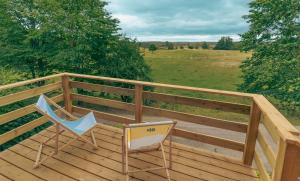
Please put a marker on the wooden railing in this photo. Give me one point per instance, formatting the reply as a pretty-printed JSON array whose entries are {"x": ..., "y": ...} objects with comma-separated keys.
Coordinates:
[{"x": 284, "y": 160}]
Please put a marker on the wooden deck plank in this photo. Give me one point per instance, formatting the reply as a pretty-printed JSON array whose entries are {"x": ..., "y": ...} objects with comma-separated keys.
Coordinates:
[
  {"x": 27, "y": 164},
  {"x": 12, "y": 172},
  {"x": 3, "y": 178},
  {"x": 217, "y": 159},
  {"x": 189, "y": 162},
  {"x": 113, "y": 152},
  {"x": 85, "y": 152},
  {"x": 100, "y": 173},
  {"x": 219, "y": 173},
  {"x": 80, "y": 161},
  {"x": 56, "y": 164}
]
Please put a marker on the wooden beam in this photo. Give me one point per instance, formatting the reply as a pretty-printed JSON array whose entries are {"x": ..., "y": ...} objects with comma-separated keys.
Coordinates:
[
  {"x": 138, "y": 99},
  {"x": 266, "y": 149},
  {"x": 261, "y": 168},
  {"x": 102, "y": 88},
  {"x": 103, "y": 115},
  {"x": 204, "y": 103},
  {"x": 12, "y": 98},
  {"x": 225, "y": 143},
  {"x": 10, "y": 116},
  {"x": 104, "y": 102},
  {"x": 67, "y": 93},
  {"x": 287, "y": 166},
  {"x": 208, "y": 121},
  {"x": 160, "y": 85},
  {"x": 251, "y": 134},
  {"x": 276, "y": 120},
  {"x": 271, "y": 128},
  {"x": 22, "y": 129},
  {"x": 18, "y": 84}
]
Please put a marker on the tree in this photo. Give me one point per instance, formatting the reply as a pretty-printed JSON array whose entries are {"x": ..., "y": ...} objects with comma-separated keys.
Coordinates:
[
  {"x": 190, "y": 46},
  {"x": 42, "y": 37},
  {"x": 225, "y": 43},
  {"x": 152, "y": 48},
  {"x": 205, "y": 45},
  {"x": 274, "y": 39},
  {"x": 169, "y": 45}
]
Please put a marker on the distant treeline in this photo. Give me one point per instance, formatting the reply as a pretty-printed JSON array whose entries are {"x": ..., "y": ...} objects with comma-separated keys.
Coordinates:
[{"x": 225, "y": 43}]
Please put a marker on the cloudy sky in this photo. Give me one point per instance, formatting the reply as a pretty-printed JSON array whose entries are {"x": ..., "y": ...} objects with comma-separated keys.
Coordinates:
[{"x": 180, "y": 20}]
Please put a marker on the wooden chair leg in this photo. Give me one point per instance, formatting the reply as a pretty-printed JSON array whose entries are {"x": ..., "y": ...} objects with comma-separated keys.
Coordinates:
[
  {"x": 38, "y": 156},
  {"x": 123, "y": 158},
  {"x": 165, "y": 161},
  {"x": 94, "y": 139},
  {"x": 170, "y": 151}
]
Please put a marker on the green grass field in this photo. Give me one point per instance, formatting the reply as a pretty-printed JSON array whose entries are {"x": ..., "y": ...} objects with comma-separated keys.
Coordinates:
[{"x": 215, "y": 69}]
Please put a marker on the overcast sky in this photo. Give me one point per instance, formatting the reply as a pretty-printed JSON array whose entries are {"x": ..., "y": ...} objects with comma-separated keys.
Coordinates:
[{"x": 180, "y": 20}]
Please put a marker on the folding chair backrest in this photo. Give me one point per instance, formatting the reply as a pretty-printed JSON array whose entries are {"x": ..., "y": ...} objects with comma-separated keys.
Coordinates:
[
  {"x": 146, "y": 136},
  {"x": 43, "y": 106}
]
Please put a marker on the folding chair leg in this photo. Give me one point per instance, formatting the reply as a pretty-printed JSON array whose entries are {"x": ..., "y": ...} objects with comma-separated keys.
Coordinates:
[
  {"x": 123, "y": 158},
  {"x": 38, "y": 156},
  {"x": 165, "y": 161},
  {"x": 170, "y": 151},
  {"x": 94, "y": 140}
]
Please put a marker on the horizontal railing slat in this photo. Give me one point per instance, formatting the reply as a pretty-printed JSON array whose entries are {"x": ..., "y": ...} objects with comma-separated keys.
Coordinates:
[
  {"x": 7, "y": 117},
  {"x": 103, "y": 102},
  {"x": 103, "y": 115},
  {"x": 266, "y": 148},
  {"x": 102, "y": 88},
  {"x": 22, "y": 129},
  {"x": 160, "y": 85},
  {"x": 208, "y": 121},
  {"x": 12, "y": 98},
  {"x": 204, "y": 103},
  {"x": 26, "y": 82},
  {"x": 225, "y": 143},
  {"x": 261, "y": 168}
]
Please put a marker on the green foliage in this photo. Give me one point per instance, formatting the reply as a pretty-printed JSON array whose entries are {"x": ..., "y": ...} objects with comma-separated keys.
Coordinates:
[
  {"x": 273, "y": 37},
  {"x": 205, "y": 45},
  {"x": 152, "y": 47},
  {"x": 169, "y": 45},
  {"x": 225, "y": 43},
  {"x": 42, "y": 37},
  {"x": 190, "y": 47},
  {"x": 39, "y": 38}
]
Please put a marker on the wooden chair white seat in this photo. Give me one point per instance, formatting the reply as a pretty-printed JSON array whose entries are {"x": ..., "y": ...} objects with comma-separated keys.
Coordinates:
[{"x": 146, "y": 137}]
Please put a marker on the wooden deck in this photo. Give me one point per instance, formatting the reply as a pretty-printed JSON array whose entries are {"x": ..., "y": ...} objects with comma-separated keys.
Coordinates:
[{"x": 81, "y": 162}]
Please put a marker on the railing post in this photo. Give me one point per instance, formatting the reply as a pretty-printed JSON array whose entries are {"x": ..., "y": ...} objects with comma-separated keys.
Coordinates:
[
  {"x": 287, "y": 166},
  {"x": 67, "y": 93},
  {"x": 251, "y": 136},
  {"x": 138, "y": 97}
]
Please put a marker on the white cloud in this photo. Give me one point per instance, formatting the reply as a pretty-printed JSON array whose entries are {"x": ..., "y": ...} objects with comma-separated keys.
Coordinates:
[{"x": 130, "y": 21}]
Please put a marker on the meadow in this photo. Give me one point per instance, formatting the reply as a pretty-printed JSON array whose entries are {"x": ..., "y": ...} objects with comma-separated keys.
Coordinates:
[{"x": 214, "y": 69}]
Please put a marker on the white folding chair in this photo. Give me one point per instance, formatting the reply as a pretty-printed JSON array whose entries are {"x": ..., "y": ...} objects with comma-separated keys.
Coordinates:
[
  {"x": 146, "y": 137},
  {"x": 77, "y": 126}
]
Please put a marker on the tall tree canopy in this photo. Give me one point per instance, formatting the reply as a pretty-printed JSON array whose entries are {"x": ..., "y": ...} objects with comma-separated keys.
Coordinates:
[
  {"x": 225, "y": 43},
  {"x": 274, "y": 39},
  {"x": 41, "y": 37}
]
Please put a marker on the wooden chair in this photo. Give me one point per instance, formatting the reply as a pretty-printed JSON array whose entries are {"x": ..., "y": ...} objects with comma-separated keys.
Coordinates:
[
  {"x": 146, "y": 137},
  {"x": 76, "y": 126}
]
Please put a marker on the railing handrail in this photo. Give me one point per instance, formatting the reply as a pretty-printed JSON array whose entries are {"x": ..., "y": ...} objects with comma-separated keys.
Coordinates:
[
  {"x": 30, "y": 81},
  {"x": 163, "y": 85}
]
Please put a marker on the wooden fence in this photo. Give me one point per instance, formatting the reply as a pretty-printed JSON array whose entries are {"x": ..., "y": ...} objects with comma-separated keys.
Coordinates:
[{"x": 284, "y": 160}]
